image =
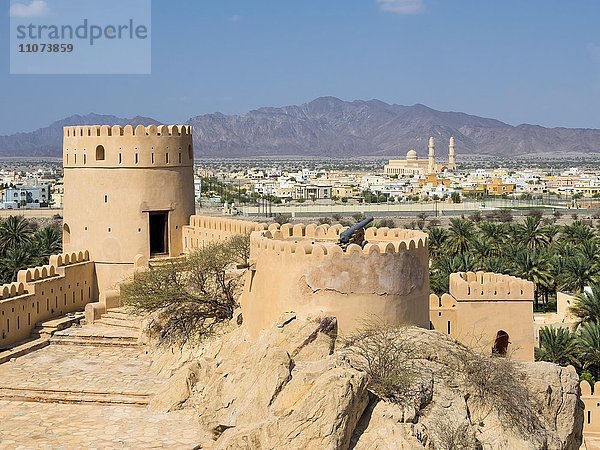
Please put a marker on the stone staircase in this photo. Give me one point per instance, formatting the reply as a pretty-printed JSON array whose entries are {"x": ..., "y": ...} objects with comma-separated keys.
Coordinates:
[{"x": 116, "y": 328}]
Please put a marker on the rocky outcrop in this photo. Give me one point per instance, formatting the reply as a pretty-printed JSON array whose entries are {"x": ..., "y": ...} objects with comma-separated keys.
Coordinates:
[{"x": 300, "y": 386}]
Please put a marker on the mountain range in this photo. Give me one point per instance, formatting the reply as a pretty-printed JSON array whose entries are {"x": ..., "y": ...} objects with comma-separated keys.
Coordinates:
[{"x": 328, "y": 126}]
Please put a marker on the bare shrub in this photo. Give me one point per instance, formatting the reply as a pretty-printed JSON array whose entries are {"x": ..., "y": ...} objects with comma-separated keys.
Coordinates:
[
  {"x": 324, "y": 220},
  {"x": 448, "y": 435},
  {"x": 498, "y": 385},
  {"x": 389, "y": 357},
  {"x": 191, "y": 298}
]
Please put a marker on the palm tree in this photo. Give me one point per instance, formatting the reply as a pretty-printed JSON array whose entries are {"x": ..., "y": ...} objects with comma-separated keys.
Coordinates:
[
  {"x": 588, "y": 343},
  {"x": 437, "y": 238},
  {"x": 47, "y": 241},
  {"x": 531, "y": 233},
  {"x": 577, "y": 232},
  {"x": 17, "y": 258},
  {"x": 496, "y": 264},
  {"x": 558, "y": 346},
  {"x": 13, "y": 231},
  {"x": 587, "y": 305},
  {"x": 579, "y": 272},
  {"x": 460, "y": 236},
  {"x": 590, "y": 250},
  {"x": 534, "y": 266}
]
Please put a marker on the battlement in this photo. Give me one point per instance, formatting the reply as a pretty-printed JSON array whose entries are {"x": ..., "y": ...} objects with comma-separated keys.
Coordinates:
[
  {"x": 128, "y": 147},
  {"x": 65, "y": 285},
  {"x": 127, "y": 130},
  {"x": 321, "y": 240},
  {"x": 591, "y": 400},
  {"x": 472, "y": 286}
]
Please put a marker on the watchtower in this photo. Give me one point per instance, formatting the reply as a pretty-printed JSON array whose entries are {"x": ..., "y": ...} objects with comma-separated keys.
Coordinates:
[{"x": 128, "y": 193}]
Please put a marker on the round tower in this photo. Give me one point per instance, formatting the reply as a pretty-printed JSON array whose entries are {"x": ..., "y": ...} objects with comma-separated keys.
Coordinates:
[
  {"x": 431, "y": 163},
  {"x": 451, "y": 155},
  {"x": 128, "y": 192}
]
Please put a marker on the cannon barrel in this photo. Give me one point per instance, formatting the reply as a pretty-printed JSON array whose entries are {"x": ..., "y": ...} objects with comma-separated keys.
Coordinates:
[{"x": 347, "y": 235}]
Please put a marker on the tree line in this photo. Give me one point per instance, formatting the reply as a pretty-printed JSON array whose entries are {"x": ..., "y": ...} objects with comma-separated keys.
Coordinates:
[{"x": 24, "y": 244}]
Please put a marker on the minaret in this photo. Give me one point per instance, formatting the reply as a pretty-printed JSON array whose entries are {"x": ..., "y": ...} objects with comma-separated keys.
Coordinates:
[
  {"x": 451, "y": 155},
  {"x": 431, "y": 165}
]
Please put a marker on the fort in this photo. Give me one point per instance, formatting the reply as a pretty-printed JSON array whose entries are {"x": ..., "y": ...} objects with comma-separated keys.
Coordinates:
[
  {"x": 129, "y": 203},
  {"x": 129, "y": 200}
]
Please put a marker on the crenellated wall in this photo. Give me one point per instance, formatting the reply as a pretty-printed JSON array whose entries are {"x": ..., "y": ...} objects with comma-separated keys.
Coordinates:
[
  {"x": 65, "y": 285},
  {"x": 302, "y": 269},
  {"x": 204, "y": 229},
  {"x": 591, "y": 419},
  {"x": 480, "y": 305},
  {"x": 489, "y": 286}
]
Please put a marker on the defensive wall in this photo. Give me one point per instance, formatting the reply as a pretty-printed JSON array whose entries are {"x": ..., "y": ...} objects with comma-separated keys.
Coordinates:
[
  {"x": 302, "y": 269},
  {"x": 591, "y": 400},
  {"x": 204, "y": 230},
  {"x": 479, "y": 305},
  {"x": 64, "y": 285}
]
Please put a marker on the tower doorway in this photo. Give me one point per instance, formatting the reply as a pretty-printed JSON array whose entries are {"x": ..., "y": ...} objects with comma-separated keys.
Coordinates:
[
  {"x": 501, "y": 343},
  {"x": 159, "y": 232}
]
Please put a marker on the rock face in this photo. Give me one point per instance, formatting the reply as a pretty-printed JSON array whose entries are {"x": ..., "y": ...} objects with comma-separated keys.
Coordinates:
[{"x": 299, "y": 386}]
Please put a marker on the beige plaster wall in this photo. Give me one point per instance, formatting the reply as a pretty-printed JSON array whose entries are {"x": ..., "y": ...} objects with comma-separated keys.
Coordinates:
[
  {"x": 591, "y": 419},
  {"x": 107, "y": 202},
  {"x": 204, "y": 229},
  {"x": 481, "y": 304},
  {"x": 301, "y": 269},
  {"x": 65, "y": 285}
]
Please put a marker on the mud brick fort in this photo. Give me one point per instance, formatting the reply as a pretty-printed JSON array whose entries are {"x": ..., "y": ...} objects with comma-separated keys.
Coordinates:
[{"x": 140, "y": 207}]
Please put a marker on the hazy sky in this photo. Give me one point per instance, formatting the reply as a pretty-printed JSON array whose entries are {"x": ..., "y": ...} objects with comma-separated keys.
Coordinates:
[{"x": 519, "y": 61}]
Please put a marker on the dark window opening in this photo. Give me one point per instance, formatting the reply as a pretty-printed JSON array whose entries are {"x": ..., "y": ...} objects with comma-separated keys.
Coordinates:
[
  {"x": 500, "y": 344},
  {"x": 100, "y": 154},
  {"x": 159, "y": 238}
]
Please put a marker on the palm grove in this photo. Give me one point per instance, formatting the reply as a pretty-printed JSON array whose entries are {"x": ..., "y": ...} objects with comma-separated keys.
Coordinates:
[
  {"x": 555, "y": 258},
  {"x": 24, "y": 244}
]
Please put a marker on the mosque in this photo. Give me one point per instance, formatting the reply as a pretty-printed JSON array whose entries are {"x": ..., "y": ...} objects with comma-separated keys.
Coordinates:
[{"x": 412, "y": 165}]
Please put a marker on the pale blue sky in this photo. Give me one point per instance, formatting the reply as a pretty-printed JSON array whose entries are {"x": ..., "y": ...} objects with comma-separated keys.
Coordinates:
[{"x": 533, "y": 61}]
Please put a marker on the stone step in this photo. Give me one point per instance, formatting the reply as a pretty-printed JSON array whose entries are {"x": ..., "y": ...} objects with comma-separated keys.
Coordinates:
[
  {"x": 118, "y": 314},
  {"x": 95, "y": 341},
  {"x": 61, "y": 396},
  {"x": 117, "y": 322},
  {"x": 23, "y": 348}
]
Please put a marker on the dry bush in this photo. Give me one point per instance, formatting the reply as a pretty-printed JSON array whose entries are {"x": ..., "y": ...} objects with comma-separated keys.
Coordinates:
[
  {"x": 191, "y": 298},
  {"x": 390, "y": 358},
  {"x": 448, "y": 435},
  {"x": 498, "y": 386}
]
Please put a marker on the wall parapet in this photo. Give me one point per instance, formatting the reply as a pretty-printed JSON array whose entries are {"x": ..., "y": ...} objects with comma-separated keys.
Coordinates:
[
  {"x": 203, "y": 230},
  {"x": 127, "y": 130},
  {"x": 41, "y": 293},
  {"x": 317, "y": 240},
  {"x": 472, "y": 286}
]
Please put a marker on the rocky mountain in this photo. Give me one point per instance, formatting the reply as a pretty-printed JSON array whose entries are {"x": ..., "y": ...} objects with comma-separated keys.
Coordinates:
[
  {"x": 48, "y": 141},
  {"x": 329, "y": 126},
  {"x": 332, "y": 127}
]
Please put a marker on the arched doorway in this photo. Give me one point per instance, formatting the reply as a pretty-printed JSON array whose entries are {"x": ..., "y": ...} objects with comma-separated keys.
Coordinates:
[{"x": 501, "y": 343}]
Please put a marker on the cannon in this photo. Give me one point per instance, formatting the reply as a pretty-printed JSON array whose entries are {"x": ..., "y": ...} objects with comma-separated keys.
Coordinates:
[{"x": 355, "y": 234}]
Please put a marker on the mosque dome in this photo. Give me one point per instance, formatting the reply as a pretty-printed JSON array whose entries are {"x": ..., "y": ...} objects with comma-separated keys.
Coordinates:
[{"x": 411, "y": 154}]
